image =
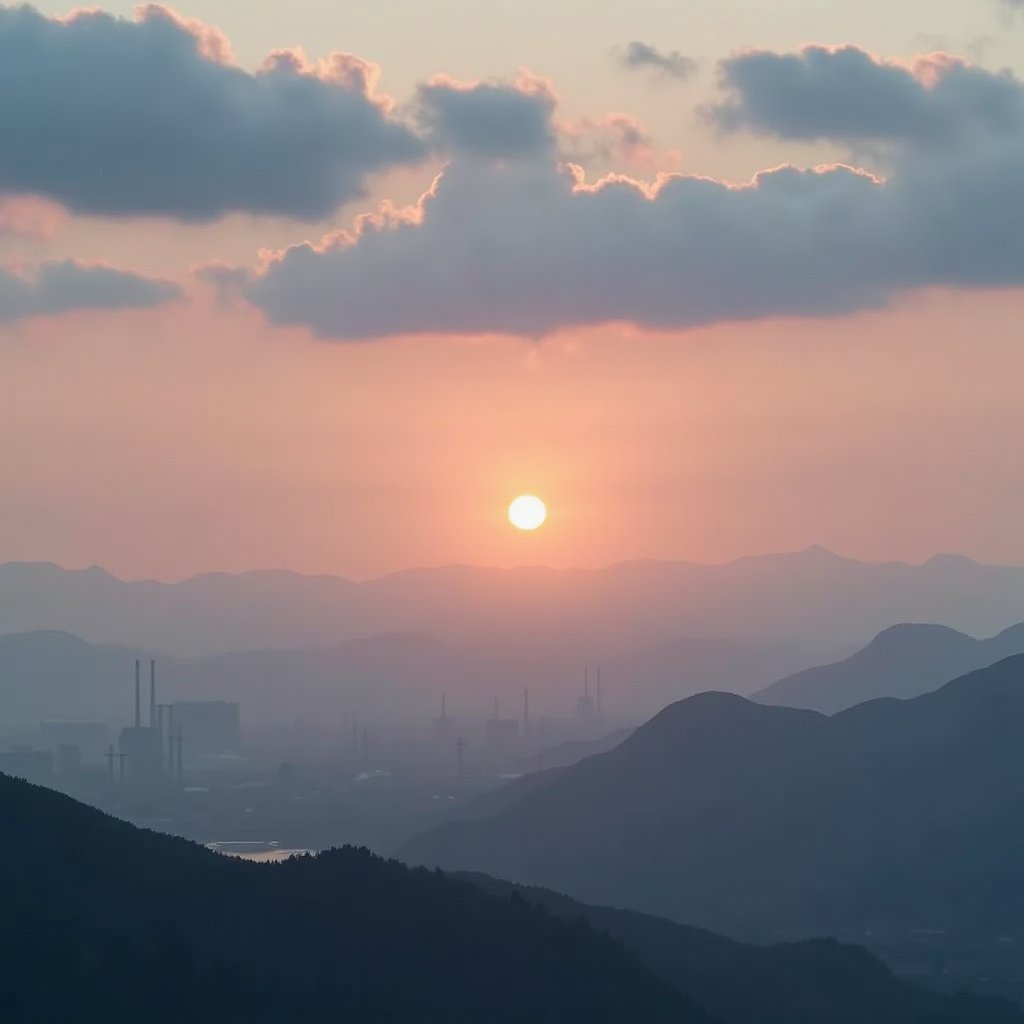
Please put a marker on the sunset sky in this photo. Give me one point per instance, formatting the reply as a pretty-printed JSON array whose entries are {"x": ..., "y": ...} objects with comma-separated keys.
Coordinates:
[{"x": 686, "y": 361}]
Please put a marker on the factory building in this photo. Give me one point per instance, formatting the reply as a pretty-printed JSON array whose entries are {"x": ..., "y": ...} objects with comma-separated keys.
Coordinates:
[
  {"x": 141, "y": 748},
  {"x": 444, "y": 727},
  {"x": 588, "y": 708}
]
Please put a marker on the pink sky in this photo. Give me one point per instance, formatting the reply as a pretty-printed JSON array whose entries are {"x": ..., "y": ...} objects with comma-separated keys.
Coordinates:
[{"x": 195, "y": 436}]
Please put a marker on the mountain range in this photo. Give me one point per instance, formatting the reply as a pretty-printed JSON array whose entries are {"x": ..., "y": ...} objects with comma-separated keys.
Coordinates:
[
  {"x": 52, "y": 674},
  {"x": 818, "y": 981},
  {"x": 900, "y": 822},
  {"x": 902, "y": 661},
  {"x": 595, "y": 614},
  {"x": 114, "y": 922}
]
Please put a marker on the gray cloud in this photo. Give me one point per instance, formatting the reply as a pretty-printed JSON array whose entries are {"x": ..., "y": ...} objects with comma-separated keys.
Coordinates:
[
  {"x": 527, "y": 248},
  {"x": 642, "y": 55},
  {"x": 522, "y": 250},
  {"x": 119, "y": 118},
  {"x": 849, "y": 95},
  {"x": 489, "y": 119},
  {"x": 68, "y": 286}
]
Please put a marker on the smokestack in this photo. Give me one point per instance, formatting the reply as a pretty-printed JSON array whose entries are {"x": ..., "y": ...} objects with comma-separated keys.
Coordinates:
[
  {"x": 152, "y": 694},
  {"x": 586, "y": 681},
  {"x": 598, "y": 689},
  {"x": 444, "y": 708},
  {"x": 138, "y": 704},
  {"x": 526, "y": 713}
]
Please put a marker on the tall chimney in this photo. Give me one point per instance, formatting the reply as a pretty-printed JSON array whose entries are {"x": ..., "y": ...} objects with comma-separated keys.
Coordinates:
[
  {"x": 152, "y": 694},
  {"x": 138, "y": 705},
  {"x": 444, "y": 708},
  {"x": 526, "y": 713},
  {"x": 586, "y": 681},
  {"x": 598, "y": 689}
]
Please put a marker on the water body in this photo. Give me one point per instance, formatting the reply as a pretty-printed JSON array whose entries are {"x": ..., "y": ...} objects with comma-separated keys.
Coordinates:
[{"x": 263, "y": 852}]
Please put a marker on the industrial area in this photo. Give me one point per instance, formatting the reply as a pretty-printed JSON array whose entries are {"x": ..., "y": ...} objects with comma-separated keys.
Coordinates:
[{"x": 190, "y": 768}]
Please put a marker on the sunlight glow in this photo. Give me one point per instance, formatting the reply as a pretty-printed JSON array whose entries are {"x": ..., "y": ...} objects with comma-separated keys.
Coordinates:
[{"x": 527, "y": 512}]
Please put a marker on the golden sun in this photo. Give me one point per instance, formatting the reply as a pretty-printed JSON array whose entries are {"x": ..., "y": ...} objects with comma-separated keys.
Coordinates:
[{"x": 527, "y": 512}]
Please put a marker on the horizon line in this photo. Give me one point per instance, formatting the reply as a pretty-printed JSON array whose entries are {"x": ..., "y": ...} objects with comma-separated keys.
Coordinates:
[{"x": 813, "y": 549}]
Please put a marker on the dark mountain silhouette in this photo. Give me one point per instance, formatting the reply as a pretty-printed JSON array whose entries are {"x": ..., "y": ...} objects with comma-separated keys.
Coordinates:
[
  {"x": 819, "y": 981},
  {"x": 564, "y": 754},
  {"x": 903, "y": 661},
  {"x": 106, "y": 922},
  {"x": 597, "y": 614},
  {"x": 902, "y": 821},
  {"x": 115, "y": 922},
  {"x": 51, "y": 674}
]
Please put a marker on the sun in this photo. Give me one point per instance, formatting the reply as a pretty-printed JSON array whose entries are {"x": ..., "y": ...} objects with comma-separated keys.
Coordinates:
[{"x": 527, "y": 512}]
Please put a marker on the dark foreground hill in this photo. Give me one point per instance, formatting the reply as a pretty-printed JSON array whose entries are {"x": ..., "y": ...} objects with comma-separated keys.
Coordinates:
[
  {"x": 819, "y": 981},
  {"x": 102, "y": 921},
  {"x": 897, "y": 823},
  {"x": 903, "y": 661}
]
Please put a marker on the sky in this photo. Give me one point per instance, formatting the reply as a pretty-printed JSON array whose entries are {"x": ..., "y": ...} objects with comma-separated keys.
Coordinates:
[{"x": 712, "y": 279}]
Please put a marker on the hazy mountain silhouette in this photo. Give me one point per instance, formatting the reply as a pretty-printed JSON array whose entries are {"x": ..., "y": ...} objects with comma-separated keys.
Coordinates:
[
  {"x": 564, "y": 754},
  {"x": 819, "y": 981},
  {"x": 902, "y": 661},
  {"x": 811, "y": 594},
  {"x": 898, "y": 819},
  {"x": 111, "y": 922},
  {"x": 114, "y": 921},
  {"x": 50, "y": 674}
]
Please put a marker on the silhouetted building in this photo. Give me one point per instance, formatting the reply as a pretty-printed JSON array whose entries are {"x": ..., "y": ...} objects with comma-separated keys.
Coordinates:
[
  {"x": 444, "y": 727},
  {"x": 141, "y": 747},
  {"x": 209, "y": 726},
  {"x": 587, "y": 708},
  {"x": 143, "y": 752}
]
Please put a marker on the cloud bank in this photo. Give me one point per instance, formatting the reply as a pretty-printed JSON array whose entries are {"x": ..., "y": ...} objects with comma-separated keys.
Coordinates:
[
  {"x": 849, "y": 95},
  {"x": 149, "y": 116},
  {"x": 528, "y": 248},
  {"x": 68, "y": 286}
]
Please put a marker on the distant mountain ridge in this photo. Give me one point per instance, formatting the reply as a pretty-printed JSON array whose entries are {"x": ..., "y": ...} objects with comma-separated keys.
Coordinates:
[
  {"x": 903, "y": 661},
  {"x": 898, "y": 819},
  {"x": 50, "y": 674},
  {"x": 604, "y": 612},
  {"x": 819, "y": 981}
]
